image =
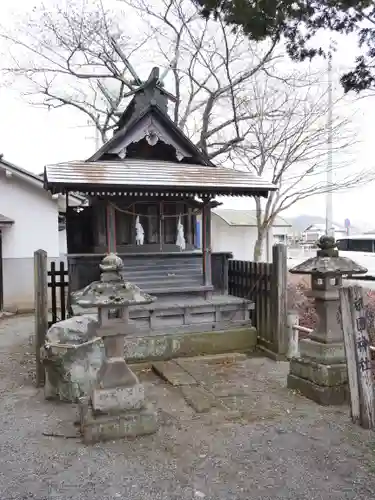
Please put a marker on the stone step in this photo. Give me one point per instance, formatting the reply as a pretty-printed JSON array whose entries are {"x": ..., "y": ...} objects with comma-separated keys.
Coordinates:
[
  {"x": 149, "y": 266},
  {"x": 162, "y": 283},
  {"x": 162, "y": 273},
  {"x": 165, "y": 260},
  {"x": 167, "y": 284},
  {"x": 173, "y": 373},
  {"x": 178, "y": 289},
  {"x": 134, "y": 278}
]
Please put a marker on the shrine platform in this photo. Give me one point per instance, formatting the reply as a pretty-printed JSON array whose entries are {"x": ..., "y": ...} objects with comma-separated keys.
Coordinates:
[
  {"x": 189, "y": 317},
  {"x": 183, "y": 325},
  {"x": 180, "y": 314}
]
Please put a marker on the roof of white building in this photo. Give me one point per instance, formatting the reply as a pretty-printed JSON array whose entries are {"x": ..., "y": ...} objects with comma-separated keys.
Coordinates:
[
  {"x": 245, "y": 218},
  {"x": 11, "y": 169},
  {"x": 5, "y": 221}
]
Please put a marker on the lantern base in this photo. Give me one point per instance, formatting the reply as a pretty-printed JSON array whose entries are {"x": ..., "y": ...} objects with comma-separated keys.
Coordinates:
[
  {"x": 322, "y": 383},
  {"x": 98, "y": 427},
  {"x": 124, "y": 398}
]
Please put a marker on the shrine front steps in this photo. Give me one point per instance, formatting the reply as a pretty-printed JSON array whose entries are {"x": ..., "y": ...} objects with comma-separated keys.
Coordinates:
[
  {"x": 193, "y": 289},
  {"x": 161, "y": 265},
  {"x": 161, "y": 272},
  {"x": 168, "y": 281},
  {"x": 167, "y": 274},
  {"x": 171, "y": 284}
]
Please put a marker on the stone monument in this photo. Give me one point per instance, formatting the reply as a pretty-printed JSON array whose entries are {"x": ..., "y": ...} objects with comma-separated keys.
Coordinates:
[
  {"x": 320, "y": 372},
  {"x": 116, "y": 407}
]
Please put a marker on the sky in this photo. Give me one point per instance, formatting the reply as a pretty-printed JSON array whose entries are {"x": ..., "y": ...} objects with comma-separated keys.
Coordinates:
[{"x": 32, "y": 137}]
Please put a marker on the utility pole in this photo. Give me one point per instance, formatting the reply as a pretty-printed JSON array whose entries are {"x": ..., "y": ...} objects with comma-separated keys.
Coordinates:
[{"x": 329, "y": 197}]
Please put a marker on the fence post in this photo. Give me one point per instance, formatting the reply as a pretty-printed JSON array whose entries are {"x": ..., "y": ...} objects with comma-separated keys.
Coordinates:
[
  {"x": 225, "y": 274},
  {"x": 279, "y": 298},
  {"x": 358, "y": 356},
  {"x": 41, "y": 310},
  {"x": 293, "y": 335}
]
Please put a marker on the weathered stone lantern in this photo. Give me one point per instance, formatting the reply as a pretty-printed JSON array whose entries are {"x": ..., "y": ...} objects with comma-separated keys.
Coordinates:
[
  {"x": 320, "y": 372},
  {"x": 117, "y": 406}
]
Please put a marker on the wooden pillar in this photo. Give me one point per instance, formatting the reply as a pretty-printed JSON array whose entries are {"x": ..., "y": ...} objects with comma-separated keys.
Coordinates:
[
  {"x": 225, "y": 267},
  {"x": 111, "y": 228},
  {"x": 161, "y": 226},
  {"x": 41, "y": 311},
  {"x": 70, "y": 278},
  {"x": 190, "y": 235},
  {"x": 206, "y": 247},
  {"x": 67, "y": 223},
  {"x": 279, "y": 298}
]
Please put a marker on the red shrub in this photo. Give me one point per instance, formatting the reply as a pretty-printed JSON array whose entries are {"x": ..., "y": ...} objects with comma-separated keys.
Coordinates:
[{"x": 298, "y": 300}]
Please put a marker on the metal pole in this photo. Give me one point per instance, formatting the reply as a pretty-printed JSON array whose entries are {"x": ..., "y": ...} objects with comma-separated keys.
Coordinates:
[{"x": 329, "y": 197}]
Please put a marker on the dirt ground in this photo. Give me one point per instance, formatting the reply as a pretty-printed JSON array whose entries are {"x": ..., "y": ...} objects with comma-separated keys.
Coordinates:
[{"x": 257, "y": 441}]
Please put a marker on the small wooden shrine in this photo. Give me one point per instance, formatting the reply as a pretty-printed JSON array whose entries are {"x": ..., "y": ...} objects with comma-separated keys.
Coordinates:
[{"x": 145, "y": 188}]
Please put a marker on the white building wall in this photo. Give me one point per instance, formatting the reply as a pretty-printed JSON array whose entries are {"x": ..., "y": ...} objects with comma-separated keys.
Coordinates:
[
  {"x": 63, "y": 249},
  {"x": 316, "y": 231},
  {"x": 35, "y": 216},
  {"x": 240, "y": 240},
  {"x": 280, "y": 234}
]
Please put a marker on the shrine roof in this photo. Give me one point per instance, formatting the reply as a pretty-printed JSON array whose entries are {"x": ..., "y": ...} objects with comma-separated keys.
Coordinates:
[
  {"x": 5, "y": 221},
  {"x": 152, "y": 117},
  {"x": 139, "y": 176}
]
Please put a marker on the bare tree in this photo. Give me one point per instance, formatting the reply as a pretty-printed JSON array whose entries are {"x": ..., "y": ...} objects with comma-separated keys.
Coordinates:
[
  {"x": 211, "y": 68},
  {"x": 72, "y": 56},
  {"x": 233, "y": 99},
  {"x": 77, "y": 56},
  {"x": 291, "y": 151}
]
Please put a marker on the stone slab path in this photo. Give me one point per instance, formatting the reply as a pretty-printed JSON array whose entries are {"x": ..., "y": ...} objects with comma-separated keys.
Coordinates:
[{"x": 230, "y": 430}]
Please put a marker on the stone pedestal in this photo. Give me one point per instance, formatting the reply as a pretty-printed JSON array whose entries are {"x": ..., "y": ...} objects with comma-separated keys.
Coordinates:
[
  {"x": 320, "y": 371},
  {"x": 117, "y": 407},
  {"x": 96, "y": 427},
  {"x": 116, "y": 413}
]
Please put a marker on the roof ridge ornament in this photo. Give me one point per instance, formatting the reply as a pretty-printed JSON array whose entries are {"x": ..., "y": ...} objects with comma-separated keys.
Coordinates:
[{"x": 153, "y": 82}]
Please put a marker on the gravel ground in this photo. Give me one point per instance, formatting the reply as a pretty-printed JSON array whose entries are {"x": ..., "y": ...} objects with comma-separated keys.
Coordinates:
[{"x": 284, "y": 447}]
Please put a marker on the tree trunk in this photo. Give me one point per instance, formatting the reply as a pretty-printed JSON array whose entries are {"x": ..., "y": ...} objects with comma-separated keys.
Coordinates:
[
  {"x": 258, "y": 247},
  {"x": 261, "y": 231}
]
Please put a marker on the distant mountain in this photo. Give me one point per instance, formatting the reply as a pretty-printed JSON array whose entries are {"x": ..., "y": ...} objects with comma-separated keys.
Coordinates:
[{"x": 301, "y": 222}]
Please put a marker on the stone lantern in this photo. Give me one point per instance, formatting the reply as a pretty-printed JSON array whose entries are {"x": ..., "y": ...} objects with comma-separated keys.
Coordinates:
[
  {"x": 117, "y": 405},
  {"x": 320, "y": 372}
]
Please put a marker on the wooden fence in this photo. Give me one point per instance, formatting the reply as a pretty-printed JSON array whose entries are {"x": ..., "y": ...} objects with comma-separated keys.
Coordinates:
[
  {"x": 59, "y": 285},
  {"x": 263, "y": 283},
  {"x": 266, "y": 285},
  {"x": 55, "y": 280}
]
